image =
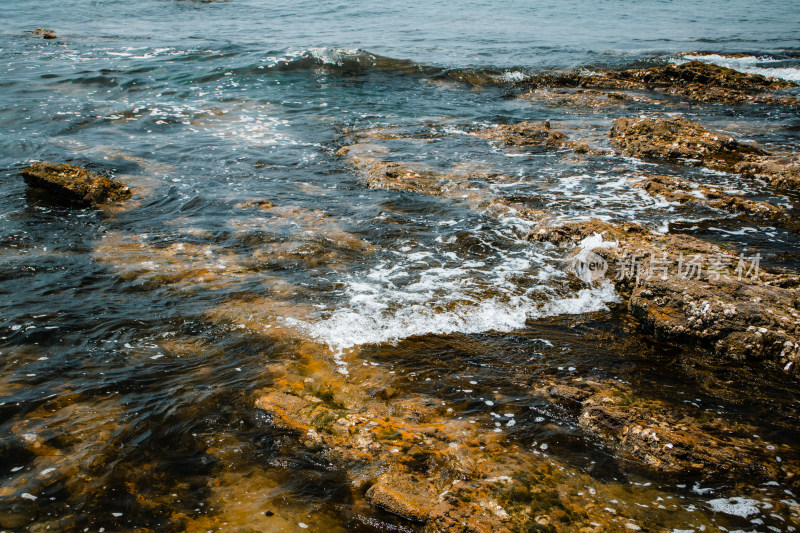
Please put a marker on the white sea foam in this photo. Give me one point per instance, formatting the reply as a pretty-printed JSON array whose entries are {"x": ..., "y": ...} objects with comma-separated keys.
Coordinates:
[
  {"x": 743, "y": 507},
  {"x": 417, "y": 295}
]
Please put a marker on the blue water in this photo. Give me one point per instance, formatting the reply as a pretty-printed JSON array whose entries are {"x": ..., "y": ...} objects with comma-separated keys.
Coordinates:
[
  {"x": 515, "y": 33},
  {"x": 165, "y": 314}
]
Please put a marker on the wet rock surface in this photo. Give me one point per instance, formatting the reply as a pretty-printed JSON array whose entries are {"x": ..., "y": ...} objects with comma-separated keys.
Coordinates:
[
  {"x": 685, "y": 289},
  {"x": 684, "y": 191},
  {"x": 73, "y": 184},
  {"x": 526, "y": 134},
  {"x": 677, "y": 139},
  {"x": 589, "y": 98},
  {"x": 781, "y": 171},
  {"x": 695, "y": 80},
  {"x": 407, "y": 455},
  {"x": 666, "y": 436}
]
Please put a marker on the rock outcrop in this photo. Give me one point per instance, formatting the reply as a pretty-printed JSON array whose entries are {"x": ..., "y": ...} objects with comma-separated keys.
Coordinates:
[
  {"x": 780, "y": 171},
  {"x": 526, "y": 134},
  {"x": 682, "y": 289},
  {"x": 683, "y": 191},
  {"x": 44, "y": 34},
  {"x": 694, "y": 80},
  {"x": 677, "y": 139},
  {"x": 74, "y": 185}
]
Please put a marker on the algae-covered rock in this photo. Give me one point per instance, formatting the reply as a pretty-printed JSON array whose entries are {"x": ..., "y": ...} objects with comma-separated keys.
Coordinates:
[
  {"x": 781, "y": 171},
  {"x": 683, "y": 191},
  {"x": 677, "y": 139},
  {"x": 404, "y": 496},
  {"x": 663, "y": 436},
  {"x": 74, "y": 184},
  {"x": 695, "y": 80},
  {"x": 526, "y": 134}
]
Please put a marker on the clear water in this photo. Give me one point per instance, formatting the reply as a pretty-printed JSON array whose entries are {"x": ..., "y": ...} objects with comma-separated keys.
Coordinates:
[{"x": 166, "y": 315}]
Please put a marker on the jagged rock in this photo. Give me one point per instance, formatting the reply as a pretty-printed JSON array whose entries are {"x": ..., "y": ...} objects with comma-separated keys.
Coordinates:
[
  {"x": 526, "y": 134},
  {"x": 677, "y": 140},
  {"x": 73, "y": 184},
  {"x": 688, "y": 192},
  {"x": 685, "y": 289},
  {"x": 45, "y": 34},
  {"x": 782, "y": 171},
  {"x": 695, "y": 80},
  {"x": 740, "y": 319}
]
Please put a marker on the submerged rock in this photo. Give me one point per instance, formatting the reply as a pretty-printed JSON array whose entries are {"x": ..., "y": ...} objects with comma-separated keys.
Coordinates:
[
  {"x": 677, "y": 139},
  {"x": 74, "y": 184},
  {"x": 404, "y": 496},
  {"x": 666, "y": 437},
  {"x": 587, "y": 98}
]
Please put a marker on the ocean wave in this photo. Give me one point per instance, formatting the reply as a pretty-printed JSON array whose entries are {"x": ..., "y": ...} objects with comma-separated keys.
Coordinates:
[{"x": 417, "y": 294}]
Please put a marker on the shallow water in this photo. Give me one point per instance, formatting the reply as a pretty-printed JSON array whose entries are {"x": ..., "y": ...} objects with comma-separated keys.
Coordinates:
[{"x": 133, "y": 339}]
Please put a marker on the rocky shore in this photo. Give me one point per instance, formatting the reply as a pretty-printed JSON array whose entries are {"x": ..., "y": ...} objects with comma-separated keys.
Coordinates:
[
  {"x": 678, "y": 288},
  {"x": 438, "y": 465}
]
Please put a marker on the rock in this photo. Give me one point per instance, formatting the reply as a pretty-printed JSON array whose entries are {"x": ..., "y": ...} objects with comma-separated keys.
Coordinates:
[
  {"x": 781, "y": 171},
  {"x": 695, "y": 80},
  {"x": 677, "y": 140},
  {"x": 738, "y": 318},
  {"x": 45, "y": 34},
  {"x": 262, "y": 204},
  {"x": 688, "y": 192},
  {"x": 526, "y": 134},
  {"x": 404, "y": 496},
  {"x": 73, "y": 184},
  {"x": 392, "y": 175},
  {"x": 573, "y": 232},
  {"x": 682, "y": 289},
  {"x": 665, "y": 437},
  {"x": 587, "y": 98}
]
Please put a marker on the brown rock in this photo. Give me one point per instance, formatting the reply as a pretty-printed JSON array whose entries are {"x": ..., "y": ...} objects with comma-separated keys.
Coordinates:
[
  {"x": 695, "y": 80},
  {"x": 738, "y": 318},
  {"x": 677, "y": 140},
  {"x": 44, "y": 34},
  {"x": 526, "y": 134},
  {"x": 687, "y": 192},
  {"x": 658, "y": 437},
  {"x": 403, "y": 495},
  {"x": 74, "y": 184},
  {"x": 685, "y": 289},
  {"x": 782, "y": 171}
]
